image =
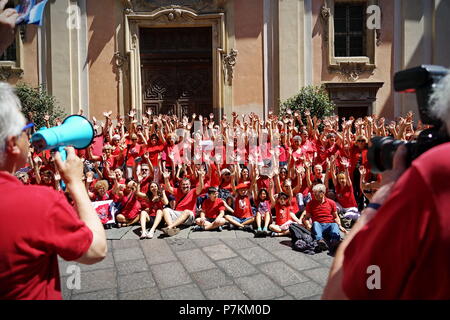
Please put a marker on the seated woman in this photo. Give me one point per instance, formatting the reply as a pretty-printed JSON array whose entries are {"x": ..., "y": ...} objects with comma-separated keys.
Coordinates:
[
  {"x": 155, "y": 201},
  {"x": 345, "y": 198},
  {"x": 100, "y": 191},
  {"x": 128, "y": 202}
]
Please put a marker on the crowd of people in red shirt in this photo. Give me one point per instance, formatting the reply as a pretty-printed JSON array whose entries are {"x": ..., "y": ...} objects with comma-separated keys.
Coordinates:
[{"x": 243, "y": 172}]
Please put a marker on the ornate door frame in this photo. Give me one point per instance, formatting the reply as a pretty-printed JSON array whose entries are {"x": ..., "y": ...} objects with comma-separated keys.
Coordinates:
[{"x": 174, "y": 16}]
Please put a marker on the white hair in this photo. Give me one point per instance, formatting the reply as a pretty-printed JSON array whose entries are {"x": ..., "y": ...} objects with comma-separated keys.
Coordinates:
[
  {"x": 319, "y": 187},
  {"x": 440, "y": 101},
  {"x": 11, "y": 118}
]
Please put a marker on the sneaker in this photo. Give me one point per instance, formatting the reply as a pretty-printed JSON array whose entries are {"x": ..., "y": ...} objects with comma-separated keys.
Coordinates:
[
  {"x": 260, "y": 234},
  {"x": 173, "y": 231},
  {"x": 231, "y": 227},
  {"x": 322, "y": 245},
  {"x": 273, "y": 234},
  {"x": 165, "y": 230},
  {"x": 143, "y": 235},
  {"x": 219, "y": 229},
  {"x": 150, "y": 235},
  {"x": 198, "y": 228},
  {"x": 248, "y": 228}
]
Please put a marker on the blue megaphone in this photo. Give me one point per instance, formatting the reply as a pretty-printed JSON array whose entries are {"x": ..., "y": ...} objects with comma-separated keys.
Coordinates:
[{"x": 75, "y": 131}]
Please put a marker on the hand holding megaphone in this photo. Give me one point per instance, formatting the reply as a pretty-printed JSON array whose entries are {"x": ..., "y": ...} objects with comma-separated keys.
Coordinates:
[{"x": 70, "y": 170}]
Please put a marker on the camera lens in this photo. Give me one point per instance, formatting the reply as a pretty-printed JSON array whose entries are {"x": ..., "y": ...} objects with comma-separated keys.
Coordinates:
[{"x": 381, "y": 153}]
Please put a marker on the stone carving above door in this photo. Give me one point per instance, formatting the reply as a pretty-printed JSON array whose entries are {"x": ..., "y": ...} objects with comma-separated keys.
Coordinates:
[{"x": 201, "y": 6}]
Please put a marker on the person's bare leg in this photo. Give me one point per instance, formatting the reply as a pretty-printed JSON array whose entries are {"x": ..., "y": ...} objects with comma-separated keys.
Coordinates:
[
  {"x": 211, "y": 226},
  {"x": 158, "y": 218},
  {"x": 266, "y": 220},
  {"x": 258, "y": 220},
  {"x": 144, "y": 218},
  {"x": 180, "y": 220},
  {"x": 167, "y": 217},
  {"x": 249, "y": 221}
]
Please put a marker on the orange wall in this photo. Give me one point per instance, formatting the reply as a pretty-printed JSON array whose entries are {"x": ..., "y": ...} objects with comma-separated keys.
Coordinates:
[
  {"x": 248, "y": 84},
  {"x": 383, "y": 58},
  {"x": 103, "y": 91},
  {"x": 30, "y": 59}
]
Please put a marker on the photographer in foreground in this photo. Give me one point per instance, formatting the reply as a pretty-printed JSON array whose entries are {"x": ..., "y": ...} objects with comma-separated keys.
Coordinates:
[
  {"x": 37, "y": 222},
  {"x": 400, "y": 251}
]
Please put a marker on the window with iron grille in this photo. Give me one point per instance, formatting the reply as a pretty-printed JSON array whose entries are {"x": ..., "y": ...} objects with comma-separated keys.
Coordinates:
[
  {"x": 349, "y": 29},
  {"x": 10, "y": 53}
]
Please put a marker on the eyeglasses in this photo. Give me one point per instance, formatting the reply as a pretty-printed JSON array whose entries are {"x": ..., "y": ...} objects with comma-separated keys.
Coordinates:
[
  {"x": 27, "y": 128},
  {"x": 144, "y": 169}
]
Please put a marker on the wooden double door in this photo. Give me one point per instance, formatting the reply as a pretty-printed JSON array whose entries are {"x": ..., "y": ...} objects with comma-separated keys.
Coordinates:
[{"x": 177, "y": 70}]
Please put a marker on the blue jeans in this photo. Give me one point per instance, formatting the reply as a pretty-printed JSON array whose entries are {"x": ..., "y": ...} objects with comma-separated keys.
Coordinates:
[{"x": 331, "y": 230}]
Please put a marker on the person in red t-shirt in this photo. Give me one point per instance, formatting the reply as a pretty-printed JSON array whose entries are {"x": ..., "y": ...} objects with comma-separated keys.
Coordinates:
[
  {"x": 154, "y": 201},
  {"x": 185, "y": 203},
  {"x": 325, "y": 220},
  {"x": 38, "y": 224},
  {"x": 212, "y": 212},
  {"x": 284, "y": 215},
  {"x": 345, "y": 197},
  {"x": 129, "y": 214},
  {"x": 242, "y": 217}
]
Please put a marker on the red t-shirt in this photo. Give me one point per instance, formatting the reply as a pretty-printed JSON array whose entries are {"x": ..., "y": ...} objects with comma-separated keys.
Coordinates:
[
  {"x": 185, "y": 202},
  {"x": 37, "y": 225},
  {"x": 153, "y": 152},
  {"x": 413, "y": 261},
  {"x": 133, "y": 153},
  {"x": 345, "y": 196},
  {"x": 242, "y": 207},
  {"x": 212, "y": 208},
  {"x": 152, "y": 206},
  {"x": 321, "y": 212},
  {"x": 131, "y": 207},
  {"x": 282, "y": 214}
]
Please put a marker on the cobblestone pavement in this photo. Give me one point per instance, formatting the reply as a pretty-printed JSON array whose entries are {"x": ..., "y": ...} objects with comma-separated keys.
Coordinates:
[{"x": 223, "y": 265}]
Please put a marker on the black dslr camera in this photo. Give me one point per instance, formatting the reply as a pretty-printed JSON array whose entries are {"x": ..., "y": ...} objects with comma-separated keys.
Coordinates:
[{"x": 423, "y": 80}]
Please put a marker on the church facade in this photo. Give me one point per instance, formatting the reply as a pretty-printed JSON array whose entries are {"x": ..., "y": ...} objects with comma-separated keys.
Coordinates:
[{"x": 188, "y": 56}]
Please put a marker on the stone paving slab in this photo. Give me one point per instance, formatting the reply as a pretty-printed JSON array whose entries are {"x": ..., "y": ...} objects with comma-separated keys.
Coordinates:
[
  {"x": 170, "y": 274},
  {"x": 259, "y": 287},
  {"x": 195, "y": 260},
  {"x": 219, "y": 252},
  {"x": 257, "y": 255},
  {"x": 187, "y": 292},
  {"x": 237, "y": 267},
  {"x": 212, "y": 279},
  {"x": 141, "y": 294},
  {"x": 133, "y": 281},
  {"x": 282, "y": 274},
  {"x": 226, "y": 293},
  {"x": 108, "y": 294},
  {"x": 218, "y": 268}
]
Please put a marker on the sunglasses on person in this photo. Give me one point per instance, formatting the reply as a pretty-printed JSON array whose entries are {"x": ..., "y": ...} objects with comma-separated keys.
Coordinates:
[{"x": 27, "y": 128}]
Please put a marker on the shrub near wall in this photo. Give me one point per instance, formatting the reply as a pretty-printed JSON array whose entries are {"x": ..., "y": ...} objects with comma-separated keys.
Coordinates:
[
  {"x": 38, "y": 102},
  {"x": 314, "y": 98}
]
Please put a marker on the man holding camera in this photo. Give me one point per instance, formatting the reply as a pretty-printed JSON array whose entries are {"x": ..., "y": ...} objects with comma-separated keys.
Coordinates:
[
  {"x": 399, "y": 247},
  {"x": 37, "y": 223}
]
